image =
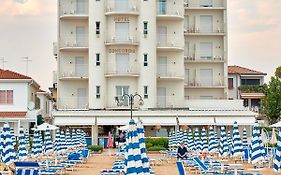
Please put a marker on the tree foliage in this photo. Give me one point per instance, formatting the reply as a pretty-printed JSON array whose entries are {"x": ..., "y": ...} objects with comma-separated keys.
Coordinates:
[
  {"x": 272, "y": 102},
  {"x": 278, "y": 72}
]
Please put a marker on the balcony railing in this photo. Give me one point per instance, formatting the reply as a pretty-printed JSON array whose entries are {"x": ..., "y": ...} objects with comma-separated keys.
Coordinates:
[
  {"x": 203, "y": 59},
  {"x": 169, "y": 102},
  {"x": 192, "y": 82},
  {"x": 74, "y": 71},
  {"x": 197, "y": 30},
  {"x": 169, "y": 9},
  {"x": 122, "y": 38},
  {"x": 76, "y": 8},
  {"x": 168, "y": 70},
  {"x": 74, "y": 41},
  {"x": 198, "y": 4},
  {"x": 114, "y": 6},
  {"x": 169, "y": 41},
  {"x": 252, "y": 88},
  {"x": 71, "y": 103},
  {"x": 121, "y": 69}
]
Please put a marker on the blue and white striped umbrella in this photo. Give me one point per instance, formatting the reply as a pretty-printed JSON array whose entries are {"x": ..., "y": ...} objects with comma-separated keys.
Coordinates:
[
  {"x": 245, "y": 139},
  {"x": 62, "y": 142},
  {"x": 22, "y": 146},
  {"x": 190, "y": 142},
  {"x": 223, "y": 150},
  {"x": 1, "y": 144},
  {"x": 68, "y": 140},
  {"x": 8, "y": 154},
  {"x": 197, "y": 141},
  {"x": 185, "y": 139},
  {"x": 36, "y": 144},
  {"x": 13, "y": 136},
  {"x": 26, "y": 135},
  {"x": 216, "y": 138},
  {"x": 170, "y": 139},
  {"x": 57, "y": 143},
  {"x": 237, "y": 142},
  {"x": 230, "y": 143},
  {"x": 79, "y": 137},
  {"x": 48, "y": 142},
  {"x": 75, "y": 139},
  {"x": 144, "y": 158},
  {"x": 204, "y": 140},
  {"x": 84, "y": 142},
  {"x": 213, "y": 146},
  {"x": 174, "y": 139},
  {"x": 277, "y": 160},
  {"x": 256, "y": 145},
  {"x": 133, "y": 161}
]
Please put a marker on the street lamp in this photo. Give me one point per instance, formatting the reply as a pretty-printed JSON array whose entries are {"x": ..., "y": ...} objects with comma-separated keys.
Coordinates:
[{"x": 131, "y": 98}]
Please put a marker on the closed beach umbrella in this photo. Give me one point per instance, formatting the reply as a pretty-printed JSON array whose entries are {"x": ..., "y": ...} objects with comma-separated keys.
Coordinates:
[
  {"x": 84, "y": 139},
  {"x": 1, "y": 144},
  {"x": 62, "y": 141},
  {"x": 133, "y": 161},
  {"x": 223, "y": 150},
  {"x": 170, "y": 140},
  {"x": 190, "y": 142},
  {"x": 57, "y": 143},
  {"x": 197, "y": 141},
  {"x": 185, "y": 139},
  {"x": 13, "y": 136},
  {"x": 173, "y": 139},
  {"x": 256, "y": 145},
  {"x": 204, "y": 140},
  {"x": 237, "y": 142},
  {"x": 48, "y": 142},
  {"x": 75, "y": 139},
  {"x": 245, "y": 139},
  {"x": 36, "y": 145},
  {"x": 144, "y": 158},
  {"x": 213, "y": 147},
  {"x": 68, "y": 140},
  {"x": 216, "y": 138},
  {"x": 8, "y": 152},
  {"x": 277, "y": 160},
  {"x": 229, "y": 142},
  {"x": 22, "y": 146}
]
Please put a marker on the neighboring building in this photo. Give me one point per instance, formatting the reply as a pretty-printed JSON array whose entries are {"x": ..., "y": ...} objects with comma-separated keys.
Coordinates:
[
  {"x": 170, "y": 52},
  {"x": 22, "y": 103},
  {"x": 246, "y": 84}
]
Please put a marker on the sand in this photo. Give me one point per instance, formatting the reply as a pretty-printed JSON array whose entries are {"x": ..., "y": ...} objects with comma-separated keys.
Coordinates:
[{"x": 98, "y": 162}]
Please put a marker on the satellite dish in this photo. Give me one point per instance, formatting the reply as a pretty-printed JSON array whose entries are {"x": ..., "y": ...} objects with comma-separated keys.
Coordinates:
[{"x": 31, "y": 105}]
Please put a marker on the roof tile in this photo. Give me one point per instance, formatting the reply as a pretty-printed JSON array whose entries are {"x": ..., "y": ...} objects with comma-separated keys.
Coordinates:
[
  {"x": 242, "y": 70},
  {"x": 7, "y": 74},
  {"x": 12, "y": 114}
]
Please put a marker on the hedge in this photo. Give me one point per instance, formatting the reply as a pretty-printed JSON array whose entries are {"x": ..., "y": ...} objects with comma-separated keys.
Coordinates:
[
  {"x": 95, "y": 148},
  {"x": 156, "y": 142}
]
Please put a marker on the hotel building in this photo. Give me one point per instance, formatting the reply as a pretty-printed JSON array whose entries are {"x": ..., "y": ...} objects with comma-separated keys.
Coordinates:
[{"x": 171, "y": 52}]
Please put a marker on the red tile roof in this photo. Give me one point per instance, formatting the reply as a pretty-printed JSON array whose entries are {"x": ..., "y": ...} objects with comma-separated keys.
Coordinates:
[
  {"x": 7, "y": 74},
  {"x": 242, "y": 70},
  {"x": 12, "y": 114}
]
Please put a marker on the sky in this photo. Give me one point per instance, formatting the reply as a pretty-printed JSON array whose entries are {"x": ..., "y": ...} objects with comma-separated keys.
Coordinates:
[{"x": 28, "y": 28}]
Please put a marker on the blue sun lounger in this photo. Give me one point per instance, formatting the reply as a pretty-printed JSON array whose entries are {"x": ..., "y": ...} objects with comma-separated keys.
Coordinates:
[
  {"x": 32, "y": 168},
  {"x": 180, "y": 167}
]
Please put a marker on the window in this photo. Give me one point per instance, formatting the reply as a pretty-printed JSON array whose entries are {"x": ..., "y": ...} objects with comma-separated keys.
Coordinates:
[
  {"x": 122, "y": 31},
  {"x": 97, "y": 27},
  {"x": 206, "y": 3},
  {"x": 97, "y": 59},
  {"x": 145, "y": 92},
  {"x": 206, "y": 77},
  {"x": 206, "y": 50},
  {"x": 145, "y": 29},
  {"x": 122, "y": 63},
  {"x": 230, "y": 83},
  {"x": 97, "y": 91},
  {"x": 120, "y": 91},
  {"x": 145, "y": 62},
  {"x": 206, "y": 23},
  {"x": 6, "y": 96},
  {"x": 250, "y": 81}
]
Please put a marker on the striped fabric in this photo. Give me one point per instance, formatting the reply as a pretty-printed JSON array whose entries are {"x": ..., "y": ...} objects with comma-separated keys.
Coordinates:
[
  {"x": 277, "y": 160},
  {"x": 144, "y": 158},
  {"x": 133, "y": 161},
  {"x": 185, "y": 139},
  {"x": 36, "y": 145},
  {"x": 13, "y": 136},
  {"x": 62, "y": 142},
  {"x": 178, "y": 137},
  {"x": 216, "y": 137},
  {"x": 190, "y": 142},
  {"x": 75, "y": 140},
  {"x": 223, "y": 150},
  {"x": 84, "y": 143},
  {"x": 237, "y": 142},
  {"x": 173, "y": 139},
  {"x": 230, "y": 143},
  {"x": 57, "y": 143},
  {"x": 79, "y": 137},
  {"x": 245, "y": 140},
  {"x": 197, "y": 141},
  {"x": 1, "y": 144},
  {"x": 68, "y": 139},
  {"x": 256, "y": 145},
  {"x": 213, "y": 147},
  {"x": 22, "y": 151},
  {"x": 8, "y": 154},
  {"x": 170, "y": 140},
  {"x": 48, "y": 142},
  {"x": 204, "y": 140}
]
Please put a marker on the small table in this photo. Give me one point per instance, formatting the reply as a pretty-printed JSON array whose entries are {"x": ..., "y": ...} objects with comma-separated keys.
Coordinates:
[
  {"x": 235, "y": 167},
  {"x": 255, "y": 171}
]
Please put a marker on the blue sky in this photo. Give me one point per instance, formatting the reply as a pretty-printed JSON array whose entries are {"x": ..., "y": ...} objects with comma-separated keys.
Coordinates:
[{"x": 29, "y": 28}]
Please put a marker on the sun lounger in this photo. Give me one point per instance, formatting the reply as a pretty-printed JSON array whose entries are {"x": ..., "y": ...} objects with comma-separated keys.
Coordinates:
[
  {"x": 204, "y": 169},
  {"x": 31, "y": 168},
  {"x": 110, "y": 172},
  {"x": 181, "y": 168}
]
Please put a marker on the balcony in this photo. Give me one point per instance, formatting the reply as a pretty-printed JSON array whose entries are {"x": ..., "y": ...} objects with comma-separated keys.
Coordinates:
[
  {"x": 74, "y": 42},
  {"x": 73, "y": 103},
  {"x": 196, "y": 5},
  {"x": 122, "y": 39},
  {"x": 75, "y": 10},
  {"x": 211, "y": 59},
  {"x": 122, "y": 70},
  {"x": 194, "y": 84},
  {"x": 169, "y": 43},
  {"x": 195, "y": 31},
  {"x": 115, "y": 7},
  {"x": 169, "y": 102},
  {"x": 169, "y": 11},
  {"x": 168, "y": 72},
  {"x": 74, "y": 72}
]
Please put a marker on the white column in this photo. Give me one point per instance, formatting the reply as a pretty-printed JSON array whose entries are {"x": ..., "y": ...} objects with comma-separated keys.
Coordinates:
[
  {"x": 18, "y": 132},
  {"x": 95, "y": 134}
]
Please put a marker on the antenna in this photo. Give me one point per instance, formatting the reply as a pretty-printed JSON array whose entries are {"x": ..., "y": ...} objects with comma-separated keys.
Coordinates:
[
  {"x": 26, "y": 60},
  {"x": 2, "y": 59}
]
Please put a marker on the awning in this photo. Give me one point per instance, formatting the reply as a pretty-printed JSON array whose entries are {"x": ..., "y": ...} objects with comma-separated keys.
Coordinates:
[
  {"x": 74, "y": 121},
  {"x": 231, "y": 120},
  {"x": 113, "y": 120},
  {"x": 164, "y": 121},
  {"x": 196, "y": 121}
]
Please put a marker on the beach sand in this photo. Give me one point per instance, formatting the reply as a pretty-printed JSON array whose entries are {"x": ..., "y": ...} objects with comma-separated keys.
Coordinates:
[{"x": 98, "y": 162}]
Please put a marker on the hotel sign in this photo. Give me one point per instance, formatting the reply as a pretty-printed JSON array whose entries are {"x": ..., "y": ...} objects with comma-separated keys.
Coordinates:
[
  {"x": 121, "y": 50},
  {"x": 121, "y": 19}
]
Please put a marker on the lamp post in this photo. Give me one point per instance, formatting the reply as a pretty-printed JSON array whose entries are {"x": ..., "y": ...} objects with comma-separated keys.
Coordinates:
[{"x": 131, "y": 98}]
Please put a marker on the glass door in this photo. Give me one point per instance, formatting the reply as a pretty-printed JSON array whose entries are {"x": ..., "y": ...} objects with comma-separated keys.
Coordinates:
[
  {"x": 162, "y": 7},
  {"x": 206, "y": 77},
  {"x": 121, "y": 5},
  {"x": 206, "y": 23},
  {"x": 162, "y": 36},
  {"x": 80, "y": 70},
  {"x": 161, "y": 96},
  {"x": 120, "y": 91},
  {"x": 82, "y": 98},
  {"x": 122, "y": 31},
  {"x": 122, "y": 63},
  {"x": 162, "y": 67},
  {"x": 80, "y": 36},
  {"x": 81, "y": 7}
]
